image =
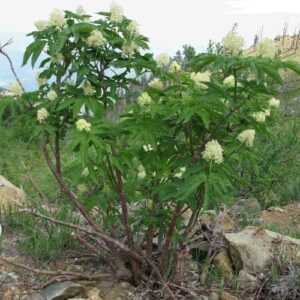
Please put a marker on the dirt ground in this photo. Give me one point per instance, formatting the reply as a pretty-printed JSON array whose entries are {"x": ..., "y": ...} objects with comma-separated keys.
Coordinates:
[{"x": 285, "y": 219}]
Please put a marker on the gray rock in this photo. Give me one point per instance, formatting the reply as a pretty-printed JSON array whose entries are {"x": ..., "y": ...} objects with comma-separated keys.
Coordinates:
[
  {"x": 10, "y": 195},
  {"x": 214, "y": 296},
  {"x": 125, "y": 284},
  {"x": 107, "y": 284},
  {"x": 8, "y": 278},
  {"x": 63, "y": 290},
  {"x": 254, "y": 249},
  {"x": 247, "y": 282},
  {"x": 36, "y": 296}
]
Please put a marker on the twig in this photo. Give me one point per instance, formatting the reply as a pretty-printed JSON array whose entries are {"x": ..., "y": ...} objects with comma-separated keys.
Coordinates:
[
  {"x": 10, "y": 41},
  {"x": 44, "y": 198},
  {"x": 59, "y": 273},
  {"x": 92, "y": 248},
  {"x": 215, "y": 237}
]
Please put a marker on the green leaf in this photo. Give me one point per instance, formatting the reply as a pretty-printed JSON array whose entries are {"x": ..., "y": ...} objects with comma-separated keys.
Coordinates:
[
  {"x": 293, "y": 65},
  {"x": 65, "y": 103},
  {"x": 36, "y": 51},
  {"x": 204, "y": 117},
  {"x": 272, "y": 73},
  {"x": 77, "y": 106}
]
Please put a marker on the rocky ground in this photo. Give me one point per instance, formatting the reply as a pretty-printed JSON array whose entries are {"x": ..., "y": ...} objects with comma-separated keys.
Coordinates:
[{"x": 251, "y": 251}]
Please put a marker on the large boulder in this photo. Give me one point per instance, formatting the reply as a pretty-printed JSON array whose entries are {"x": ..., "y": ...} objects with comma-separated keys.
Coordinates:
[
  {"x": 254, "y": 249},
  {"x": 10, "y": 195}
]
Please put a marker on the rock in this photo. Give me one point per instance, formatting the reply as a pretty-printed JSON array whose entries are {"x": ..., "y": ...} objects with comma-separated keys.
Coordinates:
[
  {"x": 107, "y": 284},
  {"x": 94, "y": 294},
  {"x": 10, "y": 195},
  {"x": 276, "y": 209},
  {"x": 254, "y": 249},
  {"x": 32, "y": 296},
  {"x": 7, "y": 295},
  {"x": 8, "y": 278},
  {"x": 36, "y": 296},
  {"x": 202, "y": 297},
  {"x": 63, "y": 290},
  {"x": 125, "y": 285},
  {"x": 11, "y": 293},
  {"x": 247, "y": 282},
  {"x": 222, "y": 260},
  {"x": 214, "y": 296},
  {"x": 227, "y": 296}
]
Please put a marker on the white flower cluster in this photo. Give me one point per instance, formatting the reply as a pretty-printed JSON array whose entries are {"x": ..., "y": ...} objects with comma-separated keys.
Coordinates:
[
  {"x": 128, "y": 48},
  {"x": 41, "y": 24},
  {"x": 180, "y": 173},
  {"x": 88, "y": 89},
  {"x": 267, "y": 112},
  {"x": 259, "y": 116},
  {"x": 199, "y": 77},
  {"x": 116, "y": 13},
  {"x": 229, "y": 81},
  {"x": 133, "y": 27},
  {"x": 96, "y": 39},
  {"x": 247, "y": 137},
  {"x": 85, "y": 172},
  {"x": 233, "y": 43},
  {"x": 147, "y": 147},
  {"x": 83, "y": 125},
  {"x": 156, "y": 83},
  {"x": 16, "y": 89},
  {"x": 51, "y": 95},
  {"x": 142, "y": 172},
  {"x": 213, "y": 152},
  {"x": 40, "y": 80},
  {"x": 57, "y": 20},
  {"x": 274, "y": 103},
  {"x": 42, "y": 115},
  {"x": 80, "y": 11},
  {"x": 57, "y": 58},
  {"x": 266, "y": 48},
  {"x": 144, "y": 99},
  {"x": 175, "y": 67},
  {"x": 163, "y": 60},
  {"x": 223, "y": 100}
]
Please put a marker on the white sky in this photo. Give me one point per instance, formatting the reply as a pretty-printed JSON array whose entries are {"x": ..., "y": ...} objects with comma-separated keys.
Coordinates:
[{"x": 168, "y": 23}]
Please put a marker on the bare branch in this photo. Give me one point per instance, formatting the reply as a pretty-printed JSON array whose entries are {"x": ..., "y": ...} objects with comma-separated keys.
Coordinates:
[{"x": 10, "y": 41}]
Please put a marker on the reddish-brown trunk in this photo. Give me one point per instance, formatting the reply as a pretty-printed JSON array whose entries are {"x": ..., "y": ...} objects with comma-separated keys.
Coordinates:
[{"x": 134, "y": 265}]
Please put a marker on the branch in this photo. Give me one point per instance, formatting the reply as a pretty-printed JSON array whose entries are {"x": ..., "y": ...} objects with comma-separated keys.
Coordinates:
[
  {"x": 10, "y": 41},
  {"x": 100, "y": 235},
  {"x": 61, "y": 276},
  {"x": 66, "y": 191},
  {"x": 134, "y": 265},
  {"x": 169, "y": 235}
]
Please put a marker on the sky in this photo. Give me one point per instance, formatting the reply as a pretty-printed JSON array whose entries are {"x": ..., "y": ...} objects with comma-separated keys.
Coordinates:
[{"x": 168, "y": 23}]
